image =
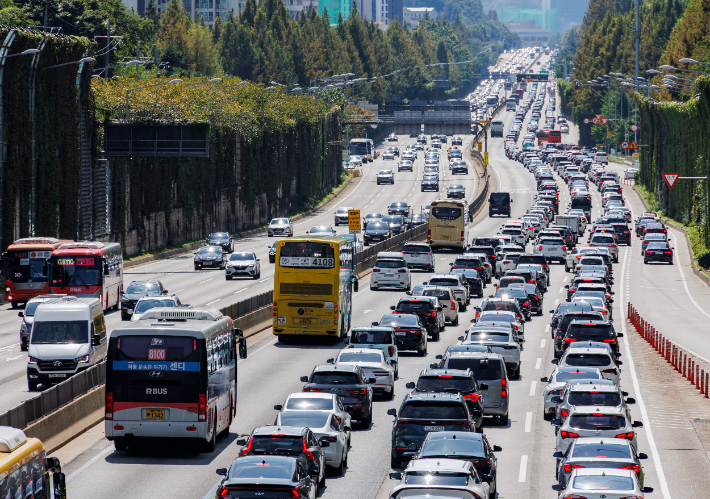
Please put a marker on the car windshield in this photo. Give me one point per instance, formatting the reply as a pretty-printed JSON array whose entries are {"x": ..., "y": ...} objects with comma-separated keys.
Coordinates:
[
  {"x": 145, "y": 305},
  {"x": 360, "y": 357},
  {"x": 594, "y": 398},
  {"x": 601, "y": 450},
  {"x": 588, "y": 359},
  {"x": 429, "y": 478},
  {"x": 459, "y": 447},
  {"x": 209, "y": 250},
  {"x": 334, "y": 378},
  {"x": 241, "y": 256},
  {"x": 433, "y": 411},
  {"x": 143, "y": 288},
  {"x": 304, "y": 404},
  {"x": 385, "y": 172},
  {"x": 301, "y": 418},
  {"x": 563, "y": 377},
  {"x": 279, "y": 221},
  {"x": 60, "y": 332},
  {"x": 377, "y": 226},
  {"x": 444, "y": 384},
  {"x": 282, "y": 469},
  {"x": 392, "y": 219},
  {"x": 319, "y": 228}
]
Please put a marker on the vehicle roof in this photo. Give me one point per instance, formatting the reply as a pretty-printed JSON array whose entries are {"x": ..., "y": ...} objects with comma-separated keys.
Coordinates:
[
  {"x": 434, "y": 397},
  {"x": 592, "y": 350},
  {"x": 86, "y": 248},
  {"x": 312, "y": 395},
  {"x": 593, "y": 387},
  {"x": 373, "y": 328},
  {"x": 67, "y": 304},
  {"x": 350, "y": 368},
  {"x": 361, "y": 350},
  {"x": 177, "y": 321},
  {"x": 383, "y": 255},
  {"x": 446, "y": 372},
  {"x": 439, "y": 464},
  {"x": 285, "y": 430},
  {"x": 597, "y": 409}
]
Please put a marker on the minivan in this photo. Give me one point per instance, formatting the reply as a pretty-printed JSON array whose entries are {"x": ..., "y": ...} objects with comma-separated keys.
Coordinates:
[
  {"x": 68, "y": 336},
  {"x": 390, "y": 270}
]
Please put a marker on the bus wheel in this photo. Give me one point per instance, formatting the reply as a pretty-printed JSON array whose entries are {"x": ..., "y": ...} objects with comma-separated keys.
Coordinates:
[
  {"x": 119, "y": 445},
  {"x": 283, "y": 338},
  {"x": 211, "y": 444},
  {"x": 14, "y": 304}
]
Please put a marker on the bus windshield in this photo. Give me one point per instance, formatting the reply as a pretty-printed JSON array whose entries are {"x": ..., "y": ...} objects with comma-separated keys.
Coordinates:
[
  {"x": 22, "y": 267},
  {"x": 76, "y": 271},
  {"x": 446, "y": 212},
  {"x": 310, "y": 255},
  {"x": 359, "y": 148}
]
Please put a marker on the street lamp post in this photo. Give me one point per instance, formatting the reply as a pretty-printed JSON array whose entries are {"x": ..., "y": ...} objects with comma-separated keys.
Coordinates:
[{"x": 176, "y": 80}]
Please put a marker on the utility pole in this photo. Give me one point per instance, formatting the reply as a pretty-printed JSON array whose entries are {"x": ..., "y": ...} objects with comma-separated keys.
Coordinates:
[
  {"x": 108, "y": 42},
  {"x": 46, "y": 14},
  {"x": 155, "y": 56},
  {"x": 138, "y": 58},
  {"x": 636, "y": 80}
]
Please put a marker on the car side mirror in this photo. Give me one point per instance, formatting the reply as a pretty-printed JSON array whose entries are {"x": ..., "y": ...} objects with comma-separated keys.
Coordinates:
[
  {"x": 375, "y": 324},
  {"x": 439, "y": 357},
  {"x": 392, "y": 307},
  {"x": 434, "y": 366},
  {"x": 330, "y": 361},
  {"x": 620, "y": 335},
  {"x": 460, "y": 338},
  {"x": 395, "y": 476},
  {"x": 222, "y": 471},
  {"x": 637, "y": 424},
  {"x": 20, "y": 314},
  {"x": 242, "y": 348},
  {"x": 121, "y": 292},
  {"x": 558, "y": 455},
  {"x": 630, "y": 400},
  {"x": 95, "y": 340},
  {"x": 392, "y": 412},
  {"x": 304, "y": 379},
  {"x": 557, "y": 487},
  {"x": 642, "y": 455},
  {"x": 556, "y": 422},
  {"x": 323, "y": 442},
  {"x": 619, "y": 363},
  {"x": 483, "y": 386},
  {"x": 647, "y": 490},
  {"x": 566, "y": 286},
  {"x": 410, "y": 385},
  {"x": 278, "y": 407},
  {"x": 372, "y": 380},
  {"x": 242, "y": 441}
]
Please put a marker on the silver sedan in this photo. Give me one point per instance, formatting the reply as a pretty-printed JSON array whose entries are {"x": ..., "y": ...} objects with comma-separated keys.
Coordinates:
[
  {"x": 556, "y": 384},
  {"x": 280, "y": 227},
  {"x": 374, "y": 365}
]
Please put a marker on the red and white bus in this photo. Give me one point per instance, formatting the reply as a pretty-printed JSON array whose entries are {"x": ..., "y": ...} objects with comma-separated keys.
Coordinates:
[
  {"x": 26, "y": 268},
  {"x": 90, "y": 269},
  {"x": 173, "y": 374},
  {"x": 554, "y": 137}
]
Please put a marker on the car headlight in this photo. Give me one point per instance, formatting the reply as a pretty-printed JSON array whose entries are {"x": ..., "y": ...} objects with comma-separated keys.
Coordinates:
[
  {"x": 23, "y": 328},
  {"x": 82, "y": 360},
  {"x": 32, "y": 360},
  {"x": 251, "y": 265}
]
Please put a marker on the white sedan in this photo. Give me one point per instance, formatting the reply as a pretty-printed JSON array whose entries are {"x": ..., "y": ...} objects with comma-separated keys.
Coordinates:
[
  {"x": 374, "y": 365},
  {"x": 606, "y": 482},
  {"x": 452, "y": 478}
]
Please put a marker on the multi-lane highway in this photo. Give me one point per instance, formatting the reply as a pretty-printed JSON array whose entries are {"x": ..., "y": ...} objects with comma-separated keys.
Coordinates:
[{"x": 670, "y": 296}]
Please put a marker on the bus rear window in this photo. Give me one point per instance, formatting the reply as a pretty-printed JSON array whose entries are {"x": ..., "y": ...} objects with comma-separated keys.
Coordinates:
[
  {"x": 446, "y": 213},
  {"x": 310, "y": 255},
  {"x": 144, "y": 348}
]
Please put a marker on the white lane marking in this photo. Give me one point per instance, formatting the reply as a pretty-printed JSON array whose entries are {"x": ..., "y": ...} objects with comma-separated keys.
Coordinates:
[
  {"x": 639, "y": 399},
  {"x": 243, "y": 289},
  {"x": 182, "y": 289},
  {"x": 533, "y": 386},
  {"x": 557, "y": 301},
  {"x": 523, "y": 468},
  {"x": 542, "y": 343},
  {"x": 91, "y": 461},
  {"x": 565, "y": 279},
  {"x": 538, "y": 363},
  {"x": 206, "y": 280},
  {"x": 366, "y": 311},
  {"x": 14, "y": 358},
  {"x": 9, "y": 348},
  {"x": 562, "y": 289},
  {"x": 528, "y": 423},
  {"x": 264, "y": 280},
  {"x": 547, "y": 328},
  {"x": 213, "y": 301}
]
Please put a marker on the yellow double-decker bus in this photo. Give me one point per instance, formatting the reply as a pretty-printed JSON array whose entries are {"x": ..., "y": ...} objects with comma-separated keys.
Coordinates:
[
  {"x": 313, "y": 286},
  {"x": 25, "y": 469},
  {"x": 448, "y": 224}
]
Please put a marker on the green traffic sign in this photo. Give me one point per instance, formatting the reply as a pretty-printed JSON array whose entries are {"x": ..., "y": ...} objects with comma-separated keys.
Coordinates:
[{"x": 531, "y": 77}]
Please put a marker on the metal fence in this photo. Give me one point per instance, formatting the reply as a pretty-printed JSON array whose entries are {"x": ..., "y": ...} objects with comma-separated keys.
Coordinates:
[
  {"x": 55, "y": 397},
  {"x": 252, "y": 304}
]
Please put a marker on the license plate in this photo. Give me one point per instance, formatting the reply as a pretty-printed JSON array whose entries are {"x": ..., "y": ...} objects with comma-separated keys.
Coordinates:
[
  {"x": 57, "y": 375},
  {"x": 303, "y": 321},
  {"x": 389, "y": 275},
  {"x": 659, "y": 252},
  {"x": 433, "y": 428},
  {"x": 400, "y": 333},
  {"x": 445, "y": 238},
  {"x": 129, "y": 311},
  {"x": 155, "y": 413}
]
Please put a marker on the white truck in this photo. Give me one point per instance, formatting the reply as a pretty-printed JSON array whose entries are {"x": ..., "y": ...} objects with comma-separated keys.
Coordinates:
[{"x": 571, "y": 221}]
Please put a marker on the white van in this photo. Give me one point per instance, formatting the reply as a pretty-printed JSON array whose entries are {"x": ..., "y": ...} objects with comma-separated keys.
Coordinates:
[
  {"x": 390, "y": 271},
  {"x": 68, "y": 336}
]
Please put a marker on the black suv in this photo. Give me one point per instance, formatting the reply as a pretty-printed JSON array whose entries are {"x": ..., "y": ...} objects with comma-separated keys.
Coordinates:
[
  {"x": 559, "y": 332},
  {"x": 222, "y": 239},
  {"x": 409, "y": 330},
  {"x": 349, "y": 383},
  {"x": 592, "y": 330},
  {"x": 290, "y": 441},
  {"x": 473, "y": 281},
  {"x": 421, "y": 413},
  {"x": 623, "y": 234},
  {"x": 137, "y": 290},
  {"x": 453, "y": 381}
]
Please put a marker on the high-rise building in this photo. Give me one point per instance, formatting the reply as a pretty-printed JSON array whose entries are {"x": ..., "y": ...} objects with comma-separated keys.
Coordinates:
[{"x": 209, "y": 9}]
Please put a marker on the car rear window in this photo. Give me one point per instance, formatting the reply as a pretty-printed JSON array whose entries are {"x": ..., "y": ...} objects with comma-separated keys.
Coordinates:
[
  {"x": 603, "y": 240},
  {"x": 553, "y": 242},
  {"x": 597, "y": 422},
  {"x": 429, "y": 479},
  {"x": 444, "y": 384},
  {"x": 415, "y": 306},
  {"x": 370, "y": 337},
  {"x": 563, "y": 377},
  {"x": 306, "y": 403},
  {"x": 508, "y": 306},
  {"x": 588, "y": 359},
  {"x": 271, "y": 444},
  {"x": 415, "y": 248},
  {"x": 334, "y": 378},
  {"x": 483, "y": 371},
  {"x": 283, "y": 470},
  {"x": 432, "y": 410},
  {"x": 442, "y": 294},
  {"x": 507, "y": 281},
  {"x": 596, "y": 398},
  {"x": 603, "y": 482},
  {"x": 590, "y": 333},
  {"x": 601, "y": 450}
]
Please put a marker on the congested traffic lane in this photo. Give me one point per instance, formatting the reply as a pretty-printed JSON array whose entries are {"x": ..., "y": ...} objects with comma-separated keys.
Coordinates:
[{"x": 209, "y": 287}]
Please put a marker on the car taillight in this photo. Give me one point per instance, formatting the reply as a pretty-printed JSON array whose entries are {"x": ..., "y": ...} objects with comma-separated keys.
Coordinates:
[
  {"x": 296, "y": 492},
  {"x": 375, "y": 270},
  {"x": 635, "y": 467},
  {"x": 568, "y": 434},
  {"x": 428, "y": 233},
  {"x": 472, "y": 397},
  {"x": 668, "y": 252},
  {"x": 223, "y": 491},
  {"x": 357, "y": 391},
  {"x": 570, "y": 340},
  {"x": 569, "y": 467},
  {"x": 504, "y": 393},
  {"x": 627, "y": 436},
  {"x": 649, "y": 252},
  {"x": 453, "y": 305},
  {"x": 309, "y": 454},
  {"x": 462, "y": 235},
  {"x": 316, "y": 390},
  {"x": 202, "y": 407},
  {"x": 564, "y": 413},
  {"x": 482, "y": 462},
  {"x": 610, "y": 341},
  {"x": 276, "y": 310},
  {"x": 108, "y": 414},
  {"x": 402, "y": 271},
  {"x": 390, "y": 351}
]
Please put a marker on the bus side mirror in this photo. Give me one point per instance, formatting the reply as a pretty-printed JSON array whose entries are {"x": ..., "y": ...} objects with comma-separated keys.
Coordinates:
[
  {"x": 356, "y": 285},
  {"x": 60, "y": 486},
  {"x": 105, "y": 268},
  {"x": 242, "y": 348},
  {"x": 96, "y": 340}
]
